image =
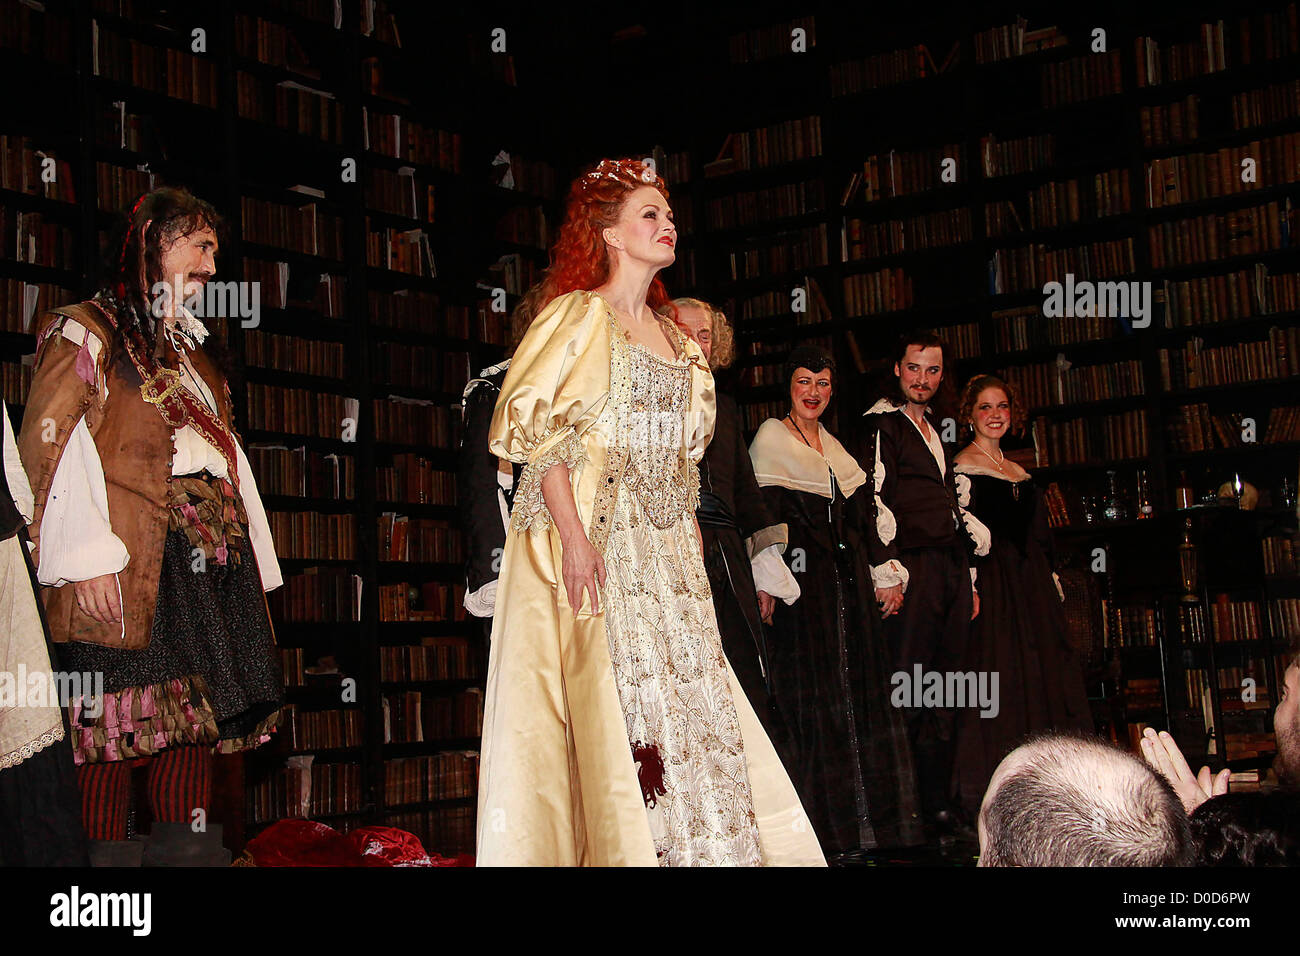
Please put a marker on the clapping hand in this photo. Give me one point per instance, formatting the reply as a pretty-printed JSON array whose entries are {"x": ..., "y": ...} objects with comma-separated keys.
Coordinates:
[{"x": 1162, "y": 753}]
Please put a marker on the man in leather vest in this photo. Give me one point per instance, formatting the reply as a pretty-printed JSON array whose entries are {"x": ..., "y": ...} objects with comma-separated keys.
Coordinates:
[
  {"x": 921, "y": 548},
  {"x": 150, "y": 531}
]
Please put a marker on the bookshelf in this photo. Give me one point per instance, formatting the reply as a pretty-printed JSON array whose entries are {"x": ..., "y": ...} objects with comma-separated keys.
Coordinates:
[
  {"x": 376, "y": 307},
  {"x": 1115, "y": 166}
]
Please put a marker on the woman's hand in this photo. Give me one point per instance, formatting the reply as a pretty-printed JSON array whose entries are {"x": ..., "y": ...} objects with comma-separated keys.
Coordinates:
[
  {"x": 766, "y": 605},
  {"x": 98, "y": 598},
  {"x": 582, "y": 569}
]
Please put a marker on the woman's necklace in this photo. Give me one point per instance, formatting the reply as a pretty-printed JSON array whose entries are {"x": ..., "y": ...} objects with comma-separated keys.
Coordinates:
[
  {"x": 800, "y": 431},
  {"x": 1015, "y": 485}
]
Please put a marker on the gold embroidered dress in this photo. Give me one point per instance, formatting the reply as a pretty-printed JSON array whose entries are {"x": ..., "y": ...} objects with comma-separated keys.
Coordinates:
[{"x": 618, "y": 738}]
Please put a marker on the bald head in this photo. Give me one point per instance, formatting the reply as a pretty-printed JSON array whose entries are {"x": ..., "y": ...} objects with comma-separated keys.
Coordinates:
[{"x": 1065, "y": 800}]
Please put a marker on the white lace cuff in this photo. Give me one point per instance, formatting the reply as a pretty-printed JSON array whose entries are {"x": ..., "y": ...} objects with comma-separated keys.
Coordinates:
[
  {"x": 530, "y": 509},
  {"x": 773, "y": 576},
  {"x": 889, "y": 574},
  {"x": 483, "y": 602},
  {"x": 978, "y": 532}
]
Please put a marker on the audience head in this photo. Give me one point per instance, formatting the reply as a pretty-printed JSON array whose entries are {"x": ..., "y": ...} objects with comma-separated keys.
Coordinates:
[
  {"x": 618, "y": 212},
  {"x": 1286, "y": 727},
  {"x": 708, "y": 326},
  {"x": 1067, "y": 800},
  {"x": 990, "y": 407},
  {"x": 920, "y": 360},
  {"x": 810, "y": 374},
  {"x": 1249, "y": 829}
]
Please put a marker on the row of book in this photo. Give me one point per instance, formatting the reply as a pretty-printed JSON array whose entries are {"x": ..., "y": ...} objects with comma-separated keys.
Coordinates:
[
  {"x": 320, "y": 729},
  {"x": 1092, "y": 440},
  {"x": 289, "y": 105},
  {"x": 1044, "y": 384},
  {"x": 420, "y": 365},
  {"x": 516, "y": 273},
  {"x": 1234, "y": 620},
  {"x": 21, "y": 302},
  {"x": 1015, "y": 39},
  {"x": 1279, "y": 557},
  {"x": 772, "y": 145},
  {"x": 402, "y": 538},
  {"x": 419, "y": 311},
  {"x": 757, "y": 206},
  {"x": 37, "y": 31},
  {"x": 299, "y": 411},
  {"x": 870, "y": 293},
  {"x": 397, "y": 192},
  {"x": 1181, "y": 242},
  {"x": 764, "y": 43},
  {"x": 400, "y": 250},
  {"x": 162, "y": 69},
  {"x": 1172, "y": 124},
  {"x": 903, "y": 173},
  {"x": 306, "y": 228},
  {"x": 416, "y": 422},
  {"x": 313, "y": 536},
  {"x": 1176, "y": 62},
  {"x": 447, "y": 830},
  {"x": 1086, "y": 77},
  {"x": 400, "y": 137},
  {"x": 289, "y": 353},
  {"x": 533, "y": 176},
  {"x": 35, "y": 170},
  {"x": 27, "y": 237},
  {"x": 755, "y": 413},
  {"x": 787, "y": 252},
  {"x": 452, "y": 775},
  {"x": 413, "y": 717},
  {"x": 1023, "y": 327},
  {"x": 961, "y": 341},
  {"x": 1270, "y": 104},
  {"x": 869, "y": 240},
  {"x": 1198, "y": 366},
  {"x": 1058, "y": 509},
  {"x": 1027, "y": 268},
  {"x": 525, "y": 226},
  {"x": 1205, "y": 300},
  {"x": 1142, "y": 694},
  {"x": 1010, "y": 157},
  {"x": 890, "y": 68},
  {"x": 764, "y": 305},
  {"x": 434, "y": 658},
  {"x": 302, "y": 472},
  {"x": 317, "y": 595},
  {"x": 1131, "y": 626},
  {"x": 413, "y": 479},
  {"x": 1225, "y": 172},
  {"x": 117, "y": 188},
  {"x": 282, "y": 285},
  {"x": 1056, "y": 204},
  {"x": 1284, "y": 614},
  {"x": 269, "y": 42},
  {"x": 15, "y": 382},
  {"x": 429, "y": 601},
  {"x": 306, "y": 792},
  {"x": 1196, "y": 428}
]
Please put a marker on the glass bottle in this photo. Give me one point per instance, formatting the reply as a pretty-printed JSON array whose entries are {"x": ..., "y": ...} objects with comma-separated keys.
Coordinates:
[
  {"x": 1187, "y": 564},
  {"x": 1113, "y": 508},
  {"x": 1144, "y": 507},
  {"x": 1183, "y": 495}
]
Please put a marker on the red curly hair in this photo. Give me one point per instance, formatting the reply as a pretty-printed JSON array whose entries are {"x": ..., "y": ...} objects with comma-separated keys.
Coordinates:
[{"x": 579, "y": 257}]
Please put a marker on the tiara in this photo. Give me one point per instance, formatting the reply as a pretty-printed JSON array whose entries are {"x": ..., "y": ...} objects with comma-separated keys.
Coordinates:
[{"x": 617, "y": 170}]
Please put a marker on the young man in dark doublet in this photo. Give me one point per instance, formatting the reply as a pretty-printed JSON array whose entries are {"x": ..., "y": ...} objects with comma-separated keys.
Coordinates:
[{"x": 922, "y": 546}]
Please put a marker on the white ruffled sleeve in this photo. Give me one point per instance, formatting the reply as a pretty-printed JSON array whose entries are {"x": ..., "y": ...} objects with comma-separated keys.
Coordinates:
[
  {"x": 15, "y": 475},
  {"x": 259, "y": 529},
  {"x": 772, "y": 575}
]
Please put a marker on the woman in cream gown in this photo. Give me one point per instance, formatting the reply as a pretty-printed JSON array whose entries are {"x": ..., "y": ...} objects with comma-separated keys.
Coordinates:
[{"x": 614, "y": 731}]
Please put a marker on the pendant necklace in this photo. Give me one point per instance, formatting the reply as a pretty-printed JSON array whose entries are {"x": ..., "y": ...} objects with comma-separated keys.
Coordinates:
[{"x": 1015, "y": 485}]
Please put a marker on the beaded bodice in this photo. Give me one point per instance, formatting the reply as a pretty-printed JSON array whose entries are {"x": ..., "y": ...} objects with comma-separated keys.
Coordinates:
[{"x": 659, "y": 394}]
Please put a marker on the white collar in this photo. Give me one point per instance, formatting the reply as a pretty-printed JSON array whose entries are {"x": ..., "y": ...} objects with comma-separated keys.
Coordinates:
[{"x": 781, "y": 459}]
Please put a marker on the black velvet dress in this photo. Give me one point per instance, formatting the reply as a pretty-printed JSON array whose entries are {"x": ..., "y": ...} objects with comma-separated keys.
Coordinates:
[
  {"x": 850, "y": 760},
  {"x": 1019, "y": 634}
]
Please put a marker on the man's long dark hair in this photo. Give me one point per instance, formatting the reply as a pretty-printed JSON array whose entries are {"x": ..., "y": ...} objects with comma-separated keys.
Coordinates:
[
  {"x": 944, "y": 401},
  {"x": 131, "y": 267}
]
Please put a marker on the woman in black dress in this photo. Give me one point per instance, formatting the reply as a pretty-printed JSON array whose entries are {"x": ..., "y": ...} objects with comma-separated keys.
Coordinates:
[
  {"x": 850, "y": 759},
  {"x": 1020, "y": 632}
]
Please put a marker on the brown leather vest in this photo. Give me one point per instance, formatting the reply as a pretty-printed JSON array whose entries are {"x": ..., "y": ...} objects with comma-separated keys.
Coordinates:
[{"x": 135, "y": 447}]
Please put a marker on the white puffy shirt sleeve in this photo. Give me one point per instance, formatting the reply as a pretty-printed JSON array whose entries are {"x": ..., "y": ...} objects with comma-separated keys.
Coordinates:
[
  {"x": 15, "y": 475},
  {"x": 772, "y": 575}
]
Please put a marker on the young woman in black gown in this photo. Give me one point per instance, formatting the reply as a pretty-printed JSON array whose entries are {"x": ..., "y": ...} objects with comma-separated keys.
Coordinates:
[
  {"x": 849, "y": 759},
  {"x": 1020, "y": 631}
]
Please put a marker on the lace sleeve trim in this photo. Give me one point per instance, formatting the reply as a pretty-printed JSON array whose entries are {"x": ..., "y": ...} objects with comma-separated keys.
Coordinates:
[{"x": 530, "y": 509}]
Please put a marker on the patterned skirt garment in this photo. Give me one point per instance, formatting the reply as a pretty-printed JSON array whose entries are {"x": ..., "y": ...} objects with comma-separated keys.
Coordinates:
[
  {"x": 210, "y": 675},
  {"x": 667, "y": 654}
]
